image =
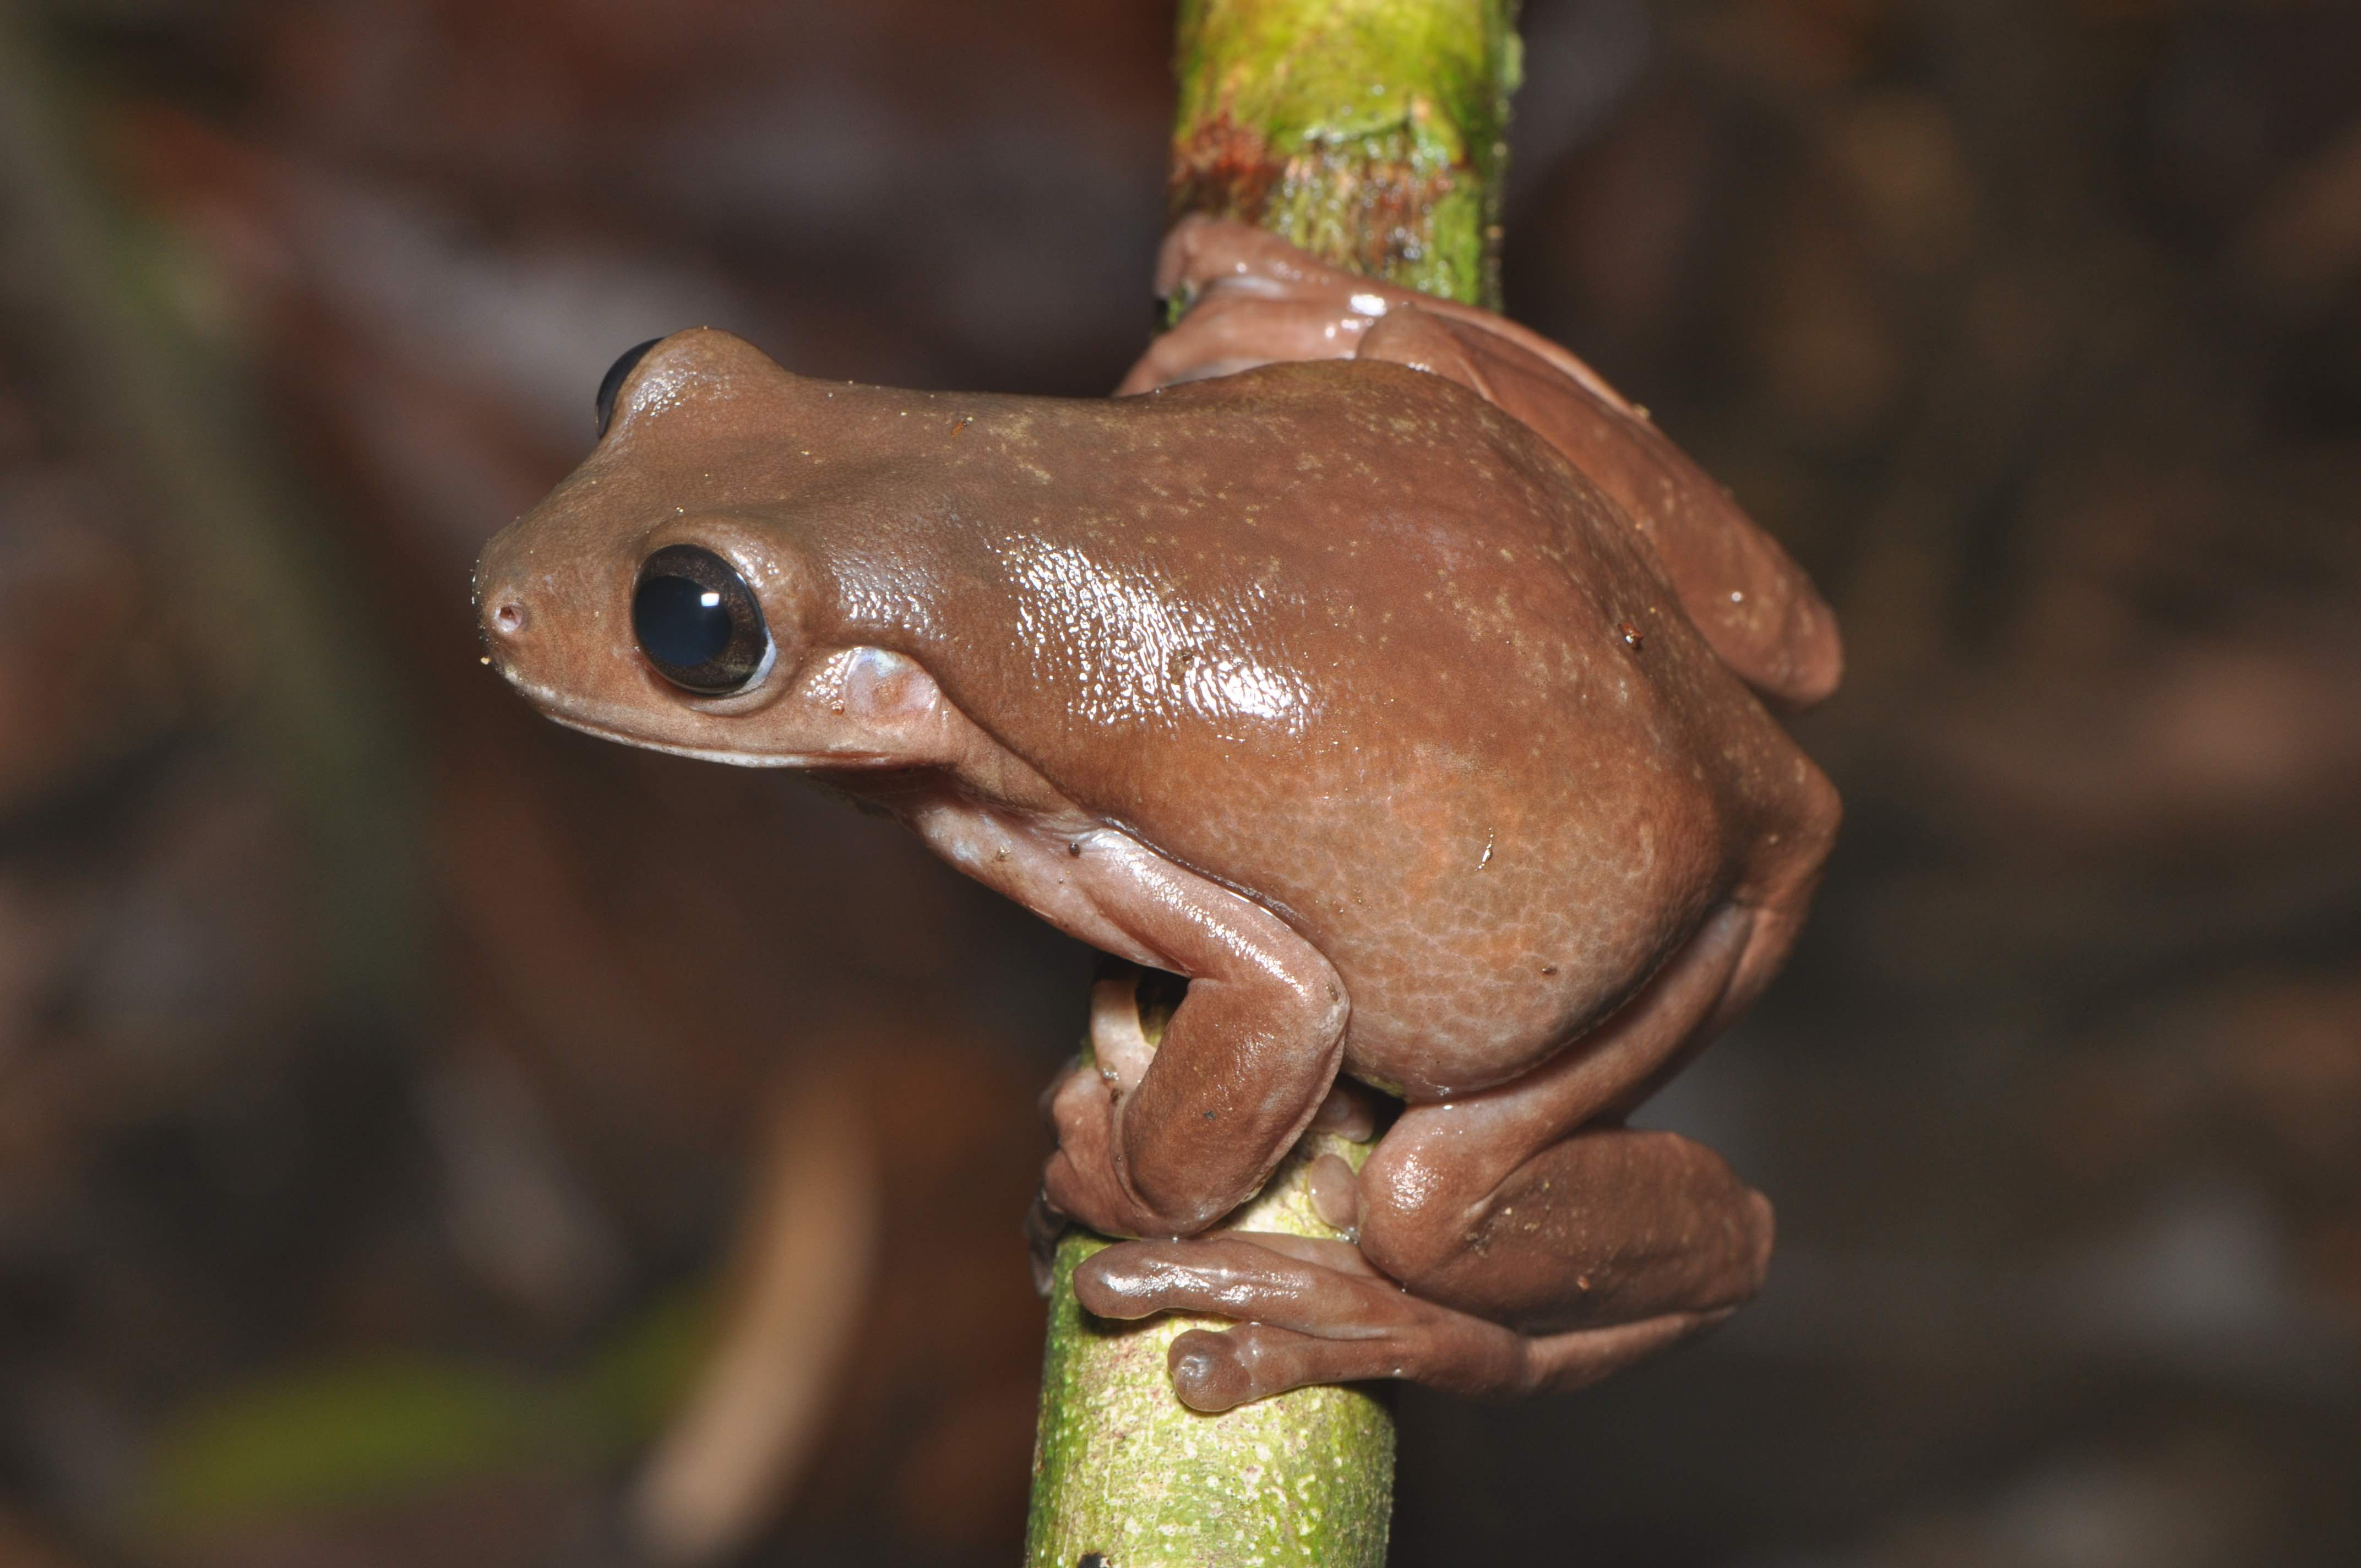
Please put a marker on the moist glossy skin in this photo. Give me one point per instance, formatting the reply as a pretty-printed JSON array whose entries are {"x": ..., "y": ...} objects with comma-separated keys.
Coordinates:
[{"x": 1370, "y": 694}]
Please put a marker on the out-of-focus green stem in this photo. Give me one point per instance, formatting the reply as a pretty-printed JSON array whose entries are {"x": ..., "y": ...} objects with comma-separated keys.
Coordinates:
[{"x": 1370, "y": 132}]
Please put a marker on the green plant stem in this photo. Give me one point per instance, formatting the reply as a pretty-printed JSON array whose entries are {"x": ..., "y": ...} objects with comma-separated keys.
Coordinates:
[
  {"x": 1126, "y": 1476},
  {"x": 1370, "y": 132},
  {"x": 1123, "y": 1469}
]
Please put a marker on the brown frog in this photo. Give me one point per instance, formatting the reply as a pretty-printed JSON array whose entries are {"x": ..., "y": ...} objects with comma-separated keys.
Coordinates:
[{"x": 1374, "y": 666}]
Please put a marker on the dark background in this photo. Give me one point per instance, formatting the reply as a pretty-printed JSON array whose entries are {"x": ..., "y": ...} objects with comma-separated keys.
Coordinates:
[{"x": 381, "y": 1066}]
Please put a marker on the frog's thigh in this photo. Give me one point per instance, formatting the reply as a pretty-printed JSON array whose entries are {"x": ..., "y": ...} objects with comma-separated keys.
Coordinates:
[
  {"x": 1521, "y": 1207},
  {"x": 1753, "y": 605},
  {"x": 1605, "y": 1227}
]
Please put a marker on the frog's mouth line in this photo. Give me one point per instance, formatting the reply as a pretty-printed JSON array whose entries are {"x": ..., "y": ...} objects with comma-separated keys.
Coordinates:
[
  {"x": 550, "y": 710},
  {"x": 699, "y": 753}
]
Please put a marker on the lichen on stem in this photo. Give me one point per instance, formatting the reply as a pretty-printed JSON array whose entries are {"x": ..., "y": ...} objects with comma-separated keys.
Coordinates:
[{"x": 1372, "y": 133}]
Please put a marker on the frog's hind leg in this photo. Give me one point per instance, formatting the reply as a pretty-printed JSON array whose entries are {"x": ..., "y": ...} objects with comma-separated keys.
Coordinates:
[
  {"x": 1533, "y": 1205},
  {"x": 1753, "y": 603},
  {"x": 1322, "y": 1314},
  {"x": 1511, "y": 1240}
]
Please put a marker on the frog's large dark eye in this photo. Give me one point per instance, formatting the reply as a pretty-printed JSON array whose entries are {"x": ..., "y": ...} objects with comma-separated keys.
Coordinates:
[
  {"x": 612, "y": 381},
  {"x": 699, "y": 622}
]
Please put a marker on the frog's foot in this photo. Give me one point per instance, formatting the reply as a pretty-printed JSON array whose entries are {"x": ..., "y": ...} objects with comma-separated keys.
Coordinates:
[
  {"x": 1254, "y": 299},
  {"x": 1315, "y": 1312}
]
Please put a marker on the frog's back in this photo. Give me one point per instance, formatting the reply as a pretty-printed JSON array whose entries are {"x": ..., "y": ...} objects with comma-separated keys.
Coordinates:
[{"x": 1347, "y": 639}]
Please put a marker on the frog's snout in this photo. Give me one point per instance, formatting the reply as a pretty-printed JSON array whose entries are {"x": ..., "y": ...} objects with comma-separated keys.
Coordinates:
[
  {"x": 504, "y": 611},
  {"x": 503, "y": 618}
]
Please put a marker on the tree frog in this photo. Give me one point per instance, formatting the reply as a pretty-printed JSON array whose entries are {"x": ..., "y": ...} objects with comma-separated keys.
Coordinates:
[{"x": 1370, "y": 663}]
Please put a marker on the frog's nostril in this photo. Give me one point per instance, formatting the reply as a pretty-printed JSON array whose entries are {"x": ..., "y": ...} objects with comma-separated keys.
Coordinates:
[{"x": 509, "y": 619}]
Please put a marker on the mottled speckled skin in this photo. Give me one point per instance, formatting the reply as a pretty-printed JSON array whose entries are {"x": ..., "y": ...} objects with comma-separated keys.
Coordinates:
[{"x": 1332, "y": 685}]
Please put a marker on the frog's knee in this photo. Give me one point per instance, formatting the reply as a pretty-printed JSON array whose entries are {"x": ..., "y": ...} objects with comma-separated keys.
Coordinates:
[
  {"x": 1819, "y": 812},
  {"x": 1411, "y": 1219}
]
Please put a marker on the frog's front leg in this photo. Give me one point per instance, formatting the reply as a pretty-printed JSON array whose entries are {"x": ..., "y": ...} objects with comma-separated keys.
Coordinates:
[
  {"x": 1510, "y": 1241},
  {"x": 1244, "y": 1061}
]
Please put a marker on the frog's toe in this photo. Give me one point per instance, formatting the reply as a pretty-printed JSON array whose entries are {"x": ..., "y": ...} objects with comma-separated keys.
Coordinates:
[
  {"x": 1216, "y": 1371},
  {"x": 1266, "y": 1278}
]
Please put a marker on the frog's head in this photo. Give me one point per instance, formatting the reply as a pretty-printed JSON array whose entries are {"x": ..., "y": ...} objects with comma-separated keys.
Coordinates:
[{"x": 659, "y": 596}]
